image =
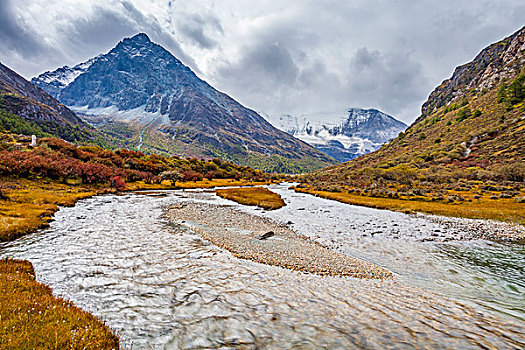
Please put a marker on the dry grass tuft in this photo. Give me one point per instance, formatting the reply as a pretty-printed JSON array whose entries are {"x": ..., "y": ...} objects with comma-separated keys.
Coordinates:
[
  {"x": 258, "y": 196},
  {"x": 166, "y": 185},
  {"x": 32, "y": 318}
]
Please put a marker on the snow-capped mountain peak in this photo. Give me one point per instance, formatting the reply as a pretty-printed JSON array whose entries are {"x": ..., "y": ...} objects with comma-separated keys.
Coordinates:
[
  {"x": 142, "y": 83},
  {"x": 361, "y": 131}
]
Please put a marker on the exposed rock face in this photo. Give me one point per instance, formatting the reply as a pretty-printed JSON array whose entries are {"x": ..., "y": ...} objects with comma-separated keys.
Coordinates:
[
  {"x": 56, "y": 81},
  {"x": 141, "y": 80},
  {"x": 30, "y": 102},
  {"x": 492, "y": 65},
  {"x": 362, "y": 131}
]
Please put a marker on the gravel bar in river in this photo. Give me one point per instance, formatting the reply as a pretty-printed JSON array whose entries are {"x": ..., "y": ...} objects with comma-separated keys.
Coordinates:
[{"x": 240, "y": 233}]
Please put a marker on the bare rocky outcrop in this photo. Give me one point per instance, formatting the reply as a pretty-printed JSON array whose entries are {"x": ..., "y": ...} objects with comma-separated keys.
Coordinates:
[
  {"x": 31, "y": 102},
  {"x": 499, "y": 61}
]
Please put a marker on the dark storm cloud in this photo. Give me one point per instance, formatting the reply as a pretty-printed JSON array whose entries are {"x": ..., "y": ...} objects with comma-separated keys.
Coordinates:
[
  {"x": 151, "y": 26},
  {"x": 102, "y": 29},
  {"x": 194, "y": 28},
  {"x": 273, "y": 74},
  {"x": 265, "y": 71},
  {"x": 271, "y": 60},
  {"x": 105, "y": 27},
  {"x": 270, "y": 72},
  {"x": 294, "y": 56},
  {"x": 386, "y": 80},
  {"x": 16, "y": 35},
  {"x": 78, "y": 38}
]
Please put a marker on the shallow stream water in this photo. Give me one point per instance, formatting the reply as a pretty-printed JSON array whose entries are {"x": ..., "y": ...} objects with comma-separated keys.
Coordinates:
[
  {"x": 160, "y": 286},
  {"x": 481, "y": 272}
]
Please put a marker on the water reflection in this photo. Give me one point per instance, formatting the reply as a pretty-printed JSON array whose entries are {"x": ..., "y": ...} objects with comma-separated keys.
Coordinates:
[{"x": 495, "y": 274}]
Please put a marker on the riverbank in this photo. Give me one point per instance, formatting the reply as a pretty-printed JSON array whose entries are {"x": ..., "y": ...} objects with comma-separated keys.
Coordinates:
[
  {"x": 26, "y": 206},
  {"x": 32, "y": 318},
  {"x": 261, "y": 240},
  {"x": 29, "y": 205},
  {"x": 162, "y": 285},
  {"x": 501, "y": 209}
]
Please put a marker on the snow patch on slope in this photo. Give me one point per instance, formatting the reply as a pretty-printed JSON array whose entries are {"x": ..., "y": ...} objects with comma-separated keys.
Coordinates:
[
  {"x": 64, "y": 76},
  {"x": 361, "y": 131},
  {"x": 136, "y": 115}
]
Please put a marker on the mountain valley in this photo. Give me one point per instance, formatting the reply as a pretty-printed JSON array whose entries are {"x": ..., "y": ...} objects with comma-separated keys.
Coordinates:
[
  {"x": 464, "y": 156},
  {"x": 141, "y": 207}
]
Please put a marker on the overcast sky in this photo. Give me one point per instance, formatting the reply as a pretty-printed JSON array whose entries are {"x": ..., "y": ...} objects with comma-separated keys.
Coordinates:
[{"x": 299, "y": 57}]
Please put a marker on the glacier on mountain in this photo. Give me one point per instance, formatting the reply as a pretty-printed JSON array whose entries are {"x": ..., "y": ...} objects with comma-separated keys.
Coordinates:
[{"x": 361, "y": 131}]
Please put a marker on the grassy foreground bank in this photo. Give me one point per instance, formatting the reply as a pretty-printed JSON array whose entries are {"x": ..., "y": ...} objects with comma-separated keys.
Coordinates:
[
  {"x": 256, "y": 196},
  {"x": 26, "y": 205},
  {"x": 485, "y": 206},
  {"x": 32, "y": 318}
]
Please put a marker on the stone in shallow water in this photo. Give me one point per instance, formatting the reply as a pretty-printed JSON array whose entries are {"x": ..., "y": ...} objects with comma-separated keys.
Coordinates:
[{"x": 266, "y": 235}]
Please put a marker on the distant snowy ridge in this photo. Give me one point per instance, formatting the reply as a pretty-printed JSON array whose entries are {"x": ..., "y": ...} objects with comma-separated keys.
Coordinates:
[{"x": 361, "y": 131}]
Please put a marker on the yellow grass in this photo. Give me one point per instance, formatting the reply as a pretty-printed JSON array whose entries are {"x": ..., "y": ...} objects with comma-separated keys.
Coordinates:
[
  {"x": 258, "y": 196},
  {"x": 29, "y": 205},
  {"x": 32, "y": 318},
  {"x": 502, "y": 209}
]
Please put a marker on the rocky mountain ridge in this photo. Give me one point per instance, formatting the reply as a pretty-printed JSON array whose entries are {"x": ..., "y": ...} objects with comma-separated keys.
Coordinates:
[
  {"x": 494, "y": 64},
  {"x": 141, "y": 83},
  {"x": 360, "y": 132},
  {"x": 471, "y": 126},
  {"x": 54, "y": 82},
  {"x": 33, "y": 105}
]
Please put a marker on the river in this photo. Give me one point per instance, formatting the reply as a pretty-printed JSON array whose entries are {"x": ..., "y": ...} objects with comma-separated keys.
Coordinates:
[{"x": 160, "y": 285}]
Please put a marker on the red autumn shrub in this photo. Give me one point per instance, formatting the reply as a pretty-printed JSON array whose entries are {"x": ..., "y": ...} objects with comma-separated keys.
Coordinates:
[
  {"x": 118, "y": 183},
  {"x": 190, "y": 175},
  {"x": 60, "y": 160},
  {"x": 93, "y": 173}
]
